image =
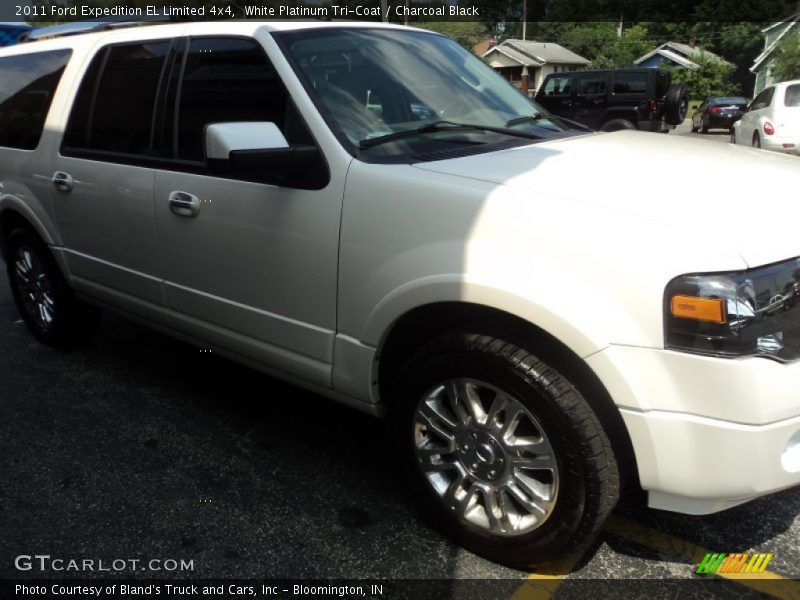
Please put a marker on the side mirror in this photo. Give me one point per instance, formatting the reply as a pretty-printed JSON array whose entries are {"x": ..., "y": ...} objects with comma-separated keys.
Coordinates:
[{"x": 254, "y": 149}]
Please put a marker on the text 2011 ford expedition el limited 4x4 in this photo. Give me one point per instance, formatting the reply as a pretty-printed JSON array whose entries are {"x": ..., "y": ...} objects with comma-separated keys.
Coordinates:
[{"x": 371, "y": 212}]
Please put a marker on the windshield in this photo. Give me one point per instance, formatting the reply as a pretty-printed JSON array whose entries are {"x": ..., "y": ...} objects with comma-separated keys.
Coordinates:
[{"x": 376, "y": 83}]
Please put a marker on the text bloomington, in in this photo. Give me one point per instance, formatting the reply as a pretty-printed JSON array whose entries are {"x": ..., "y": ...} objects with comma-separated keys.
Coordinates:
[
  {"x": 230, "y": 590},
  {"x": 251, "y": 10}
]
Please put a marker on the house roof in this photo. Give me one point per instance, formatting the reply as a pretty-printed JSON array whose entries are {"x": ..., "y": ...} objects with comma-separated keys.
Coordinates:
[
  {"x": 681, "y": 54},
  {"x": 789, "y": 25},
  {"x": 518, "y": 57},
  {"x": 794, "y": 17},
  {"x": 536, "y": 54}
]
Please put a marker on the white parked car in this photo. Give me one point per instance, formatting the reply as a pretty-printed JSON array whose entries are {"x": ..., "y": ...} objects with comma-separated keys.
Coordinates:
[
  {"x": 772, "y": 121},
  {"x": 373, "y": 213}
]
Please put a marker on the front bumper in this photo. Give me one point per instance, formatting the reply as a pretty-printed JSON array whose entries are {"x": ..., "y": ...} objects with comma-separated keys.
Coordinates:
[
  {"x": 698, "y": 465},
  {"x": 708, "y": 433}
]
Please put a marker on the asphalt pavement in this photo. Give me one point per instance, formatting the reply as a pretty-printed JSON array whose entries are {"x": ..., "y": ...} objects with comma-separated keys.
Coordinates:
[
  {"x": 714, "y": 135},
  {"x": 143, "y": 447}
]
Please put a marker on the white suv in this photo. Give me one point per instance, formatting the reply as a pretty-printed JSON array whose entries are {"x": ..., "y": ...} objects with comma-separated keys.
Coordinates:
[
  {"x": 772, "y": 121},
  {"x": 372, "y": 213}
]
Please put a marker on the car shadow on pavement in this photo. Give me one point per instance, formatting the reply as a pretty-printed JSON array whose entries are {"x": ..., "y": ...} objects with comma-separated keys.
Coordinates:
[{"x": 144, "y": 446}]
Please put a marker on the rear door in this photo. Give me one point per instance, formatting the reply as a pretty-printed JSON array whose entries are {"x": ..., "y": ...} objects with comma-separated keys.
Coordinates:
[
  {"x": 253, "y": 270},
  {"x": 590, "y": 100},
  {"x": 102, "y": 195}
]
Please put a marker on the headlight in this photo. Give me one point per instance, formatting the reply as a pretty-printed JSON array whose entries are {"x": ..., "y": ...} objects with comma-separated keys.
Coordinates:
[{"x": 747, "y": 313}]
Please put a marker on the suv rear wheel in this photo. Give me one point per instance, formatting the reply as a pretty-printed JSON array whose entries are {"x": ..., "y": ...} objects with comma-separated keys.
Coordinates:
[
  {"x": 509, "y": 457},
  {"x": 43, "y": 298}
]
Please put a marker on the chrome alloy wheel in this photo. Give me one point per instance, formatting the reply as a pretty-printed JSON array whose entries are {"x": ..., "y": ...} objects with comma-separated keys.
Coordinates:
[
  {"x": 486, "y": 456},
  {"x": 35, "y": 288}
]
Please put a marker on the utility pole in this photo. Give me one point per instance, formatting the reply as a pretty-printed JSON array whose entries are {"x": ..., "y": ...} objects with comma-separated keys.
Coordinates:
[{"x": 525, "y": 18}]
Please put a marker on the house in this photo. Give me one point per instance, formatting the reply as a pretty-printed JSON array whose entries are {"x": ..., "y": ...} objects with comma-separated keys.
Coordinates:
[
  {"x": 773, "y": 35},
  {"x": 526, "y": 63},
  {"x": 675, "y": 54},
  {"x": 483, "y": 46}
]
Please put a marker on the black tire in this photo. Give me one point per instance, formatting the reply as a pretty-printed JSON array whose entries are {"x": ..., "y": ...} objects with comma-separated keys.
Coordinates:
[
  {"x": 69, "y": 323},
  {"x": 704, "y": 126},
  {"x": 587, "y": 473},
  {"x": 676, "y": 104},
  {"x": 617, "y": 125},
  {"x": 756, "y": 140}
]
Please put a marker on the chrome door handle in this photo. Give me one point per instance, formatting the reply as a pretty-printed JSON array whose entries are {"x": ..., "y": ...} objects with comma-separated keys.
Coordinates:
[
  {"x": 63, "y": 181},
  {"x": 184, "y": 204}
]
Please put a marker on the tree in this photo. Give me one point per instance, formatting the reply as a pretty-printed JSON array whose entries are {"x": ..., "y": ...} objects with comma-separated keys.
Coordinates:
[
  {"x": 786, "y": 64},
  {"x": 622, "y": 51},
  {"x": 466, "y": 33},
  {"x": 711, "y": 78}
]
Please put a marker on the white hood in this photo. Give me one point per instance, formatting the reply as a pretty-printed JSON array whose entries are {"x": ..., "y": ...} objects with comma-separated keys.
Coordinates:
[{"x": 748, "y": 200}]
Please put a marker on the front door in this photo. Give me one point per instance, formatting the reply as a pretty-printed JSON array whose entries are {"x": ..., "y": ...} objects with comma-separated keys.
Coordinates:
[
  {"x": 253, "y": 268},
  {"x": 752, "y": 118},
  {"x": 557, "y": 95}
]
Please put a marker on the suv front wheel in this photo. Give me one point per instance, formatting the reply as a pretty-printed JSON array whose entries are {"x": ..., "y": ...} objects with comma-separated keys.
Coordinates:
[
  {"x": 617, "y": 125},
  {"x": 510, "y": 458}
]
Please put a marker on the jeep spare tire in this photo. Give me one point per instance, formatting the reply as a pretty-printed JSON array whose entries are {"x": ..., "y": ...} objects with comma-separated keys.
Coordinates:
[{"x": 676, "y": 104}]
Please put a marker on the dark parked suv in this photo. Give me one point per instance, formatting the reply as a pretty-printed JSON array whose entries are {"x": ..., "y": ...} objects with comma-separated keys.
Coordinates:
[{"x": 614, "y": 99}]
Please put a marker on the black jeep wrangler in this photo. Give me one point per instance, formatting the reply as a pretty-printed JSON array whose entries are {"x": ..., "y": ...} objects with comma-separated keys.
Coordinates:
[{"x": 614, "y": 99}]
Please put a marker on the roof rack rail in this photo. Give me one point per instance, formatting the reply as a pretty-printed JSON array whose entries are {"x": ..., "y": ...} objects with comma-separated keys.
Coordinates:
[{"x": 80, "y": 27}]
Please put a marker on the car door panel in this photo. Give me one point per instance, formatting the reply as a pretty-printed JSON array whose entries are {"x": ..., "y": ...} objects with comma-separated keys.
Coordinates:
[
  {"x": 257, "y": 260},
  {"x": 254, "y": 270},
  {"x": 590, "y": 99},
  {"x": 107, "y": 227},
  {"x": 103, "y": 201}
]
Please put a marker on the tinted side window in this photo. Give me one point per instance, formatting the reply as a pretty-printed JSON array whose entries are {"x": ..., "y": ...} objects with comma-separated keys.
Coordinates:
[
  {"x": 558, "y": 86},
  {"x": 592, "y": 84},
  {"x": 792, "y": 96},
  {"x": 27, "y": 85},
  {"x": 226, "y": 80},
  {"x": 115, "y": 105},
  {"x": 630, "y": 83}
]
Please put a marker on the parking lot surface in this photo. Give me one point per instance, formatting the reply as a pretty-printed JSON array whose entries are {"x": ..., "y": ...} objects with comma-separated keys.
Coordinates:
[
  {"x": 715, "y": 135},
  {"x": 141, "y": 446}
]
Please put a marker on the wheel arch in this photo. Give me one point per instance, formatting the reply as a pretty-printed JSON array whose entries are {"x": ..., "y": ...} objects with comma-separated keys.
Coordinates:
[
  {"x": 427, "y": 322},
  {"x": 14, "y": 213},
  {"x": 627, "y": 114}
]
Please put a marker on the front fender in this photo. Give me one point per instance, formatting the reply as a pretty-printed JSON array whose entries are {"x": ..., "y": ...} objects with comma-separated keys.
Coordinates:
[{"x": 575, "y": 324}]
